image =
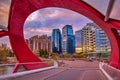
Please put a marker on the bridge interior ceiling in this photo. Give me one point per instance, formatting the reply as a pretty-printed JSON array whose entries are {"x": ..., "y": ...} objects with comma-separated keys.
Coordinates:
[
  {"x": 109, "y": 8},
  {"x": 105, "y": 15}
]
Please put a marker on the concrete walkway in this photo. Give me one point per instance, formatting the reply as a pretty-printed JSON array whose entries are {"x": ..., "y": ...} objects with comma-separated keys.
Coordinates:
[{"x": 71, "y": 70}]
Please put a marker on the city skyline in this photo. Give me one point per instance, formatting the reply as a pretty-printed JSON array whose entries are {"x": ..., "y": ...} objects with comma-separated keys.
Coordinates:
[{"x": 91, "y": 38}]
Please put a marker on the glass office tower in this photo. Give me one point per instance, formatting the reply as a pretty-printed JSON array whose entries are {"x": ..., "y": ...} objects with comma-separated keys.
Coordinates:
[
  {"x": 79, "y": 41},
  {"x": 102, "y": 42},
  {"x": 56, "y": 41},
  {"x": 68, "y": 42}
]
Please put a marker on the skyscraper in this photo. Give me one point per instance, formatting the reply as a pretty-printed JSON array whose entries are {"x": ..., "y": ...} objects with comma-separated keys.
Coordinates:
[
  {"x": 102, "y": 42},
  {"x": 89, "y": 37},
  {"x": 79, "y": 41},
  {"x": 95, "y": 39},
  {"x": 56, "y": 41},
  {"x": 68, "y": 40}
]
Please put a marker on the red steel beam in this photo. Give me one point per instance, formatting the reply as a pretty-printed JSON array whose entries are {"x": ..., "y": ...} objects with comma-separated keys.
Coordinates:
[{"x": 21, "y": 9}]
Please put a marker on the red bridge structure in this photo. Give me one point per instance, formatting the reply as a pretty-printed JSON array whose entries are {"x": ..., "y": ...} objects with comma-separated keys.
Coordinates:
[{"x": 21, "y": 9}]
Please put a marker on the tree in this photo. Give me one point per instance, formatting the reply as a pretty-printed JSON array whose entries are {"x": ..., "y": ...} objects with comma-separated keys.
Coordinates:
[
  {"x": 67, "y": 56},
  {"x": 43, "y": 53},
  {"x": 104, "y": 55},
  {"x": 11, "y": 54},
  {"x": 99, "y": 55},
  {"x": 4, "y": 53},
  {"x": 85, "y": 55},
  {"x": 78, "y": 56},
  {"x": 54, "y": 56}
]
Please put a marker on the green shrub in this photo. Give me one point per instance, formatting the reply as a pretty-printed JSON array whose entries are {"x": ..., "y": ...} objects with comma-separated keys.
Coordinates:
[{"x": 54, "y": 56}]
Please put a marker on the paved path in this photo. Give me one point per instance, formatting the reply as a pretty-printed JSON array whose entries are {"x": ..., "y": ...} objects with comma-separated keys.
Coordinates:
[{"x": 71, "y": 70}]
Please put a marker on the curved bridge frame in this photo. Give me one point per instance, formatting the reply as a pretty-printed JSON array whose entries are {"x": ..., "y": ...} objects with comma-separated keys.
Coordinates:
[{"x": 21, "y": 9}]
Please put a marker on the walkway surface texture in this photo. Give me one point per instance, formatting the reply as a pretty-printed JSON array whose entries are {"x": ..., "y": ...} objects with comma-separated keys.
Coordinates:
[{"x": 71, "y": 70}]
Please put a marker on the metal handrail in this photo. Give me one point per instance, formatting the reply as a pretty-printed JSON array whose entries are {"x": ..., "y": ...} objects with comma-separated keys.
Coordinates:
[{"x": 9, "y": 76}]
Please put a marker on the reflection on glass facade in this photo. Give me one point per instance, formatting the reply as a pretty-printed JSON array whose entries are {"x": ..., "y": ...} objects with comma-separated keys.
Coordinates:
[
  {"x": 79, "y": 41},
  {"x": 79, "y": 38},
  {"x": 68, "y": 42},
  {"x": 102, "y": 41},
  {"x": 95, "y": 39},
  {"x": 71, "y": 44},
  {"x": 56, "y": 41}
]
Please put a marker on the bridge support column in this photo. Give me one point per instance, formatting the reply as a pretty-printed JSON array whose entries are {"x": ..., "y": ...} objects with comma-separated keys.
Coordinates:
[{"x": 115, "y": 54}]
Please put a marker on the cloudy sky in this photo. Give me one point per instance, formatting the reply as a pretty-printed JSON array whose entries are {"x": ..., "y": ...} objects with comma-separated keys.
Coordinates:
[
  {"x": 4, "y": 11},
  {"x": 44, "y": 20}
]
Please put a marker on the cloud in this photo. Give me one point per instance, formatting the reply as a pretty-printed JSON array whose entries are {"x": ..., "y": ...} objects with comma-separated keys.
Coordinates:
[
  {"x": 50, "y": 18},
  {"x": 4, "y": 11},
  {"x": 38, "y": 31}
]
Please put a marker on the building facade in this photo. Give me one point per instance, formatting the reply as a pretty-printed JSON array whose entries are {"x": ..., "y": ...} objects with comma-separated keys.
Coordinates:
[
  {"x": 56, "y": 41},
  {"x": 33, "y": 43},
  {"x": 36, "y": 43},
  {"x": 89, "y": 38},
  {"x": 79, "y": 41},
  {"x": 95, "y": 39},
  {"x": 68, "y": 40},
  {"x": 102, "y": 42}
]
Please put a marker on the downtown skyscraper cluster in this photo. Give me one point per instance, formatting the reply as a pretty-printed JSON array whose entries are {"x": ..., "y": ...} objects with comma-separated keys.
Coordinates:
[
  {"x": 56, "y": 43},
  {"x": 65, "y": 43},
  {"x": 91, "y": 38}
]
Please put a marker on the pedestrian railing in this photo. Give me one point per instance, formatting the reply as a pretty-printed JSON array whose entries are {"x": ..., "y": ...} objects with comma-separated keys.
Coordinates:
[
  {"x": 110, "y": 72},
  {"x": 20, "y": 74}
]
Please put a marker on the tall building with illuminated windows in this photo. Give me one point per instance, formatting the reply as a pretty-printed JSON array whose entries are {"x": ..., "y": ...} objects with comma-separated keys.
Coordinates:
[
  {"x": 68, "y": 40},
  {"x": 102, "y": 42},
  {"x": 56, "y": 41},
  {"x": 95, "y": 39},
  {"x": 89, "y": 37}
]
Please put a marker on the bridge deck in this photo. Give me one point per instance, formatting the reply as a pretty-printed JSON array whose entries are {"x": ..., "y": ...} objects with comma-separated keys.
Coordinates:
[{"x": 71, "y": 70}]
